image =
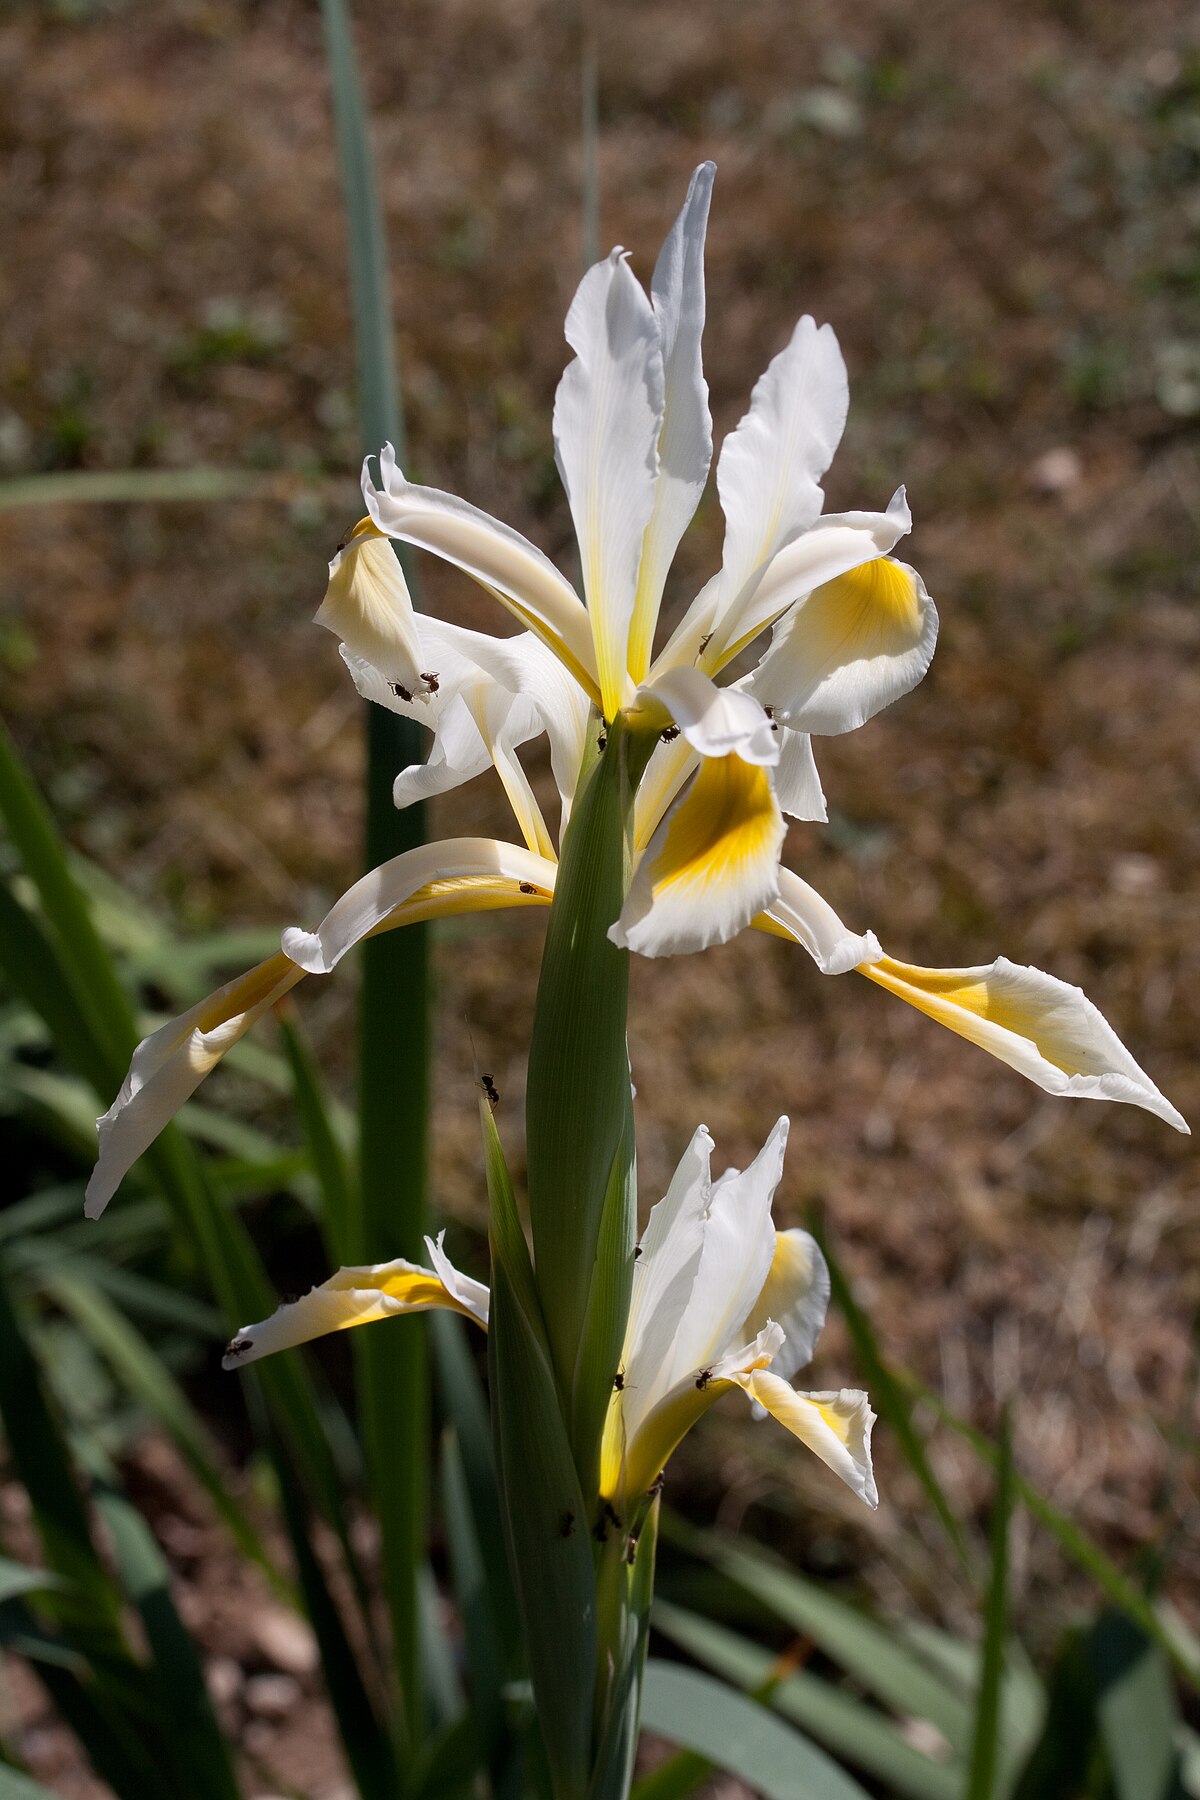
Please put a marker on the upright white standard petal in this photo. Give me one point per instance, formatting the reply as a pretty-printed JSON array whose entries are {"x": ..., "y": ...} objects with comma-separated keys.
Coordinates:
[
  {"x": 797, "y": 785},
  {"x": 803, "y": 917},
  {"x": 770, "y": 468},
  {"x": 368, "y": 606},
  {"x": 607, "y": 416},
  {"x": 685, "y": 441},
  {"x": 457, "y": 875},
  {"x": 716, "y": 721},
  {"x": 508, "y": 565},
  {"x": 833, "y": 545},
  {"x": 710, "y": 867},
  {"x": 360, "y": 1296},
  {"x": 1040, "y": 1026},
  {"x": 849, "y": 649},
  {"x": 169, "y": 1066}
]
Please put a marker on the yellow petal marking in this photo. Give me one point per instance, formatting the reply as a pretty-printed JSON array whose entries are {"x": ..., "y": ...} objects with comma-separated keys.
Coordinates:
[
  {"x": 248, "y": 991},
  {"x": 966, "y": 1005},
  {"x": 874, "y": 610},
  {"x": 728, "y": 824}
]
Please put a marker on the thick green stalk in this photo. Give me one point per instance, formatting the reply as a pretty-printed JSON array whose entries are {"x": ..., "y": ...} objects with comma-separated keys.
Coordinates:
[
  {"x": 579, "y": 1102},
  {"x": 394, "y": 1008}
]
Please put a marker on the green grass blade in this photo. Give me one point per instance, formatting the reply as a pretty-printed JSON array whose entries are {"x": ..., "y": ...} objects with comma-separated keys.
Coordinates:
[
  {"x": 736, "y": 1734},
  {"x": 842, "y": 1723},
  {"x": 394, "y": 1005},
  {"x": 324, "y": 1144},
  {"x": 985, "y": 1742},
  {"x": 31, "y": 967},
  {"x": 888, "y": 1396},
  {"x": 193, "y": 1738},
  {"x": 869, "y": 1651},
  {"x": 1074, "y": 1541},
  {"x": 122, "y": 486},
  {"x": 1136, "y": 1711},
  {"x": 146, "y": 1378}
]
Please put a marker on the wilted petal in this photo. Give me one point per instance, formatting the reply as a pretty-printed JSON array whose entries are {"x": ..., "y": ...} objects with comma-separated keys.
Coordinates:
[
  {"x": 803, "y": 917},
  {"x": 711, "y": 865},
  {"x": 685, "y": 441},
  {"x": 716, "y": 721},
  {"x": 507, "y": 564},
  {"x": 607, "y": 416},
  {"x": 850, "y": 649},
  {"x": 169, "y": 1066},
  {"x": 457, "y": 875},
  {"x": 832, "y": 546},
  {"x": 837, "y": 1426},
  {"x": 1042, "y": 1027},
  {"x": 368, "y": 606},
  {"x": 796, "y": 1296},
  {"x": 359, "y": 1296}
]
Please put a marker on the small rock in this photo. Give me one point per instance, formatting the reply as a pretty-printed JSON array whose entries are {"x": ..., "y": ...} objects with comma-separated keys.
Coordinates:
[
  {"x": 285, "y": 1641},
  {"x": 271, "y": 1696},
  {"x": 223, "y": 1678},
  {"x": 1056, "y": 472}
]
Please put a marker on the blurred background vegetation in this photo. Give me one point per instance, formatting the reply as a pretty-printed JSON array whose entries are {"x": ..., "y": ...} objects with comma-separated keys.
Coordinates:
[{"x": 998, "y": 209}]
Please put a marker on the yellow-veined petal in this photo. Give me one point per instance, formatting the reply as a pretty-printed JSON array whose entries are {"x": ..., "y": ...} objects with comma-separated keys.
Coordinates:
[
  {"x": 1043, "y": 1027},
  {"x": 711, "y": 865},
  {"x": 849, "y": 649},
  {"x": 170, "y": 1064},
  {"x": 803, "y": 917},
  {"x": 836, "y": 1426},
  {"x": 359, "y": 1296},
  {"x": 796, "y": 1295}
]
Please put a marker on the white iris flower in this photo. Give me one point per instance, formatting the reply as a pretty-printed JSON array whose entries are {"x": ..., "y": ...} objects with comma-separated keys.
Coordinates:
[
  {"x": 852, "y": 629},
  {"x": 721, "y": 1301}
]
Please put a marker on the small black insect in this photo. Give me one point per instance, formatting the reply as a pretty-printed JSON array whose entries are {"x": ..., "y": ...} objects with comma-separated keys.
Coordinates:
[
  {"x": 670, "y": 734},
  {"x": 705, "y": 642},
  {"x": 658, "y": 1484},
  {"x": 401, "y": 693},
  {"x": 600, "y": 1530},
  {"x": 770, "y": 712},
  {"x": 619, "y": 1381},
  {"x": 566, "y": 1524},
  {"x": 602, "y": 741},
  {"x": 490, "y": 1089},
  {"x": 238, "y": 1346},
  {"x": 431, "y": 682},
  {"x": 637, "y": 1251},
  {"x": 526, "y": 887},
  {"x": 703, "y": 1378},
  {"x": 345, "y": 539},
  {"x": 631, "y": 1549}
]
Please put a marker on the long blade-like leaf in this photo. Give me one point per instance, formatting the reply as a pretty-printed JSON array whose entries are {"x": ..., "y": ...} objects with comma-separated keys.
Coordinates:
[{"x": 985, "y": 1741}]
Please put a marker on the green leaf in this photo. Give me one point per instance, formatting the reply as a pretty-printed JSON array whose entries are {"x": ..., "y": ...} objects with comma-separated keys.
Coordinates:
[
  {"x": 324, "y": 1145},
  {"x": 872, "y": 1652},
  {"x": 31, "y": 966},
  {"x": 485, "y": 1658},
  {"x": 985, "y": 1742},
  {"x": 603, "y": 1334},
  {"x": 1136, "y": 1711},
  {"x": 17, "y": 1578},
  {"x": 16, "y": 1786},
  {"x": 736, "y": 1734},
  {"x": 853, "y": 1730},
  {"x": 122, "y": 486},
  {"x": 888, "y": 1397}
]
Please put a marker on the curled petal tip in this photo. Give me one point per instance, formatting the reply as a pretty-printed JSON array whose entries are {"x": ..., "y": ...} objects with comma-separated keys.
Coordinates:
[{"x": 304, "y": 949}]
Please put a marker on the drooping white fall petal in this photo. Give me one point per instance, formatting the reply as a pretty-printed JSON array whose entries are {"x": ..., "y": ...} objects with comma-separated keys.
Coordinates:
[
  {"x": 360, "y": 1296},
  {"x": 836, "y": 1426},
  {"x": 849, "y": 649},
  {"x": 368, "y": 606},
  {"x": 800, "y": 914},
  {"x": 607, "y": 416},
  {"x": 711, "y": 866}
]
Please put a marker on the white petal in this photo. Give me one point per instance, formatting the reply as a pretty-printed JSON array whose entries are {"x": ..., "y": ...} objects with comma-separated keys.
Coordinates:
[
  {"x": 850, "y": 649},
  {"x": 769, "y": 471},
  {"x": 607, "y": 416},
  {"x": 835, "y": 544},
  {"x": 685, "y": 441},
  {"x": 368, "y": 606},
  {"x": 796, "y": 1296},
  {"x": 716, "y": 721},
  {"x": 1042, "y": 1027},
  {"x": 837, "y": 1426},
  {"x": 797, "y": 784},
  {"x": 800, "y": 914},
  {"x": 711, "y": 865},
  {"x": 169, "y": 1066},
  {"x": 359, "y": 1296},
  {"x": 507, "y": 564},
  {"x": 477, "y": 869},
  {"x": 663, "y": 1277}
]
